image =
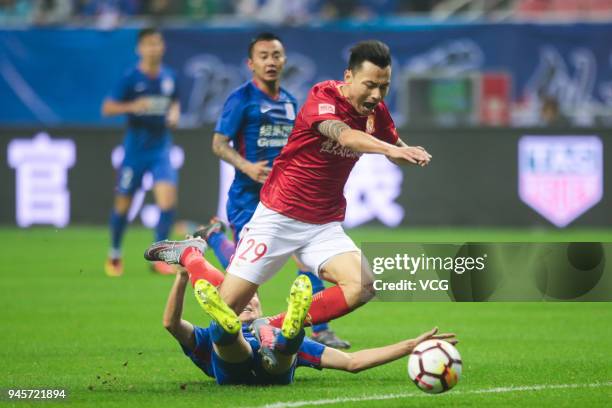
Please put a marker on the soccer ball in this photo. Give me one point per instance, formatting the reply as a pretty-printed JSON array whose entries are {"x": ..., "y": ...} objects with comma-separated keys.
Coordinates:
[{"x": 434, "y": 366}]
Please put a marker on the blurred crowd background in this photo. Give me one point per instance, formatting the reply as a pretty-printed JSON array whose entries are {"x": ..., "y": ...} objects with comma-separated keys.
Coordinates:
[{"x": 111, "y": 13}]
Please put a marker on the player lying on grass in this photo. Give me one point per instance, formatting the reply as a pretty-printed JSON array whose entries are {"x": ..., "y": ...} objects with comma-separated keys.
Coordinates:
[{"x": 229, "y": 349}]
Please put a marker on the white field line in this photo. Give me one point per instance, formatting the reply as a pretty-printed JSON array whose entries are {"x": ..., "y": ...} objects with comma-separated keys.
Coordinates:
[{"x": 497, "y": 390}]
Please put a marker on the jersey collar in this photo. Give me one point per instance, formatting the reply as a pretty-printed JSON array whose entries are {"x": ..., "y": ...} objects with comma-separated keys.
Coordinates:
[{"x": 273, "y": 97}]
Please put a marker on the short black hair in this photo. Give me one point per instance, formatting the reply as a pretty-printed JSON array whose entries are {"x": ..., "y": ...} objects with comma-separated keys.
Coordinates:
[
  {"x": 374, "y": 51},
  {"x": 265, "y": 36},
  {"x": 145, "y": 32}
]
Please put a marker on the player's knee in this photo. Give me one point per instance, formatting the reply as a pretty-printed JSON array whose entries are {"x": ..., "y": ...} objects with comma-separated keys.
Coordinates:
[
  {"x": 367, "y": 289},
  {"x": 167, "y": 206},
  {"x": 358, "y": 288},
  {"x": 356, "y": 292},
  {"x": 362, "y": 294},
  {"x": 165, "y": 195},
  {"x": 166, "y": 203},
  {"x": 122, "y": 204},
  {"x": 367, "y": 282}
]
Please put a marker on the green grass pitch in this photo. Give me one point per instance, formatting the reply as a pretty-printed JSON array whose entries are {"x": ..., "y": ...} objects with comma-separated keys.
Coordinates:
[{"x": 66, "y": 325}]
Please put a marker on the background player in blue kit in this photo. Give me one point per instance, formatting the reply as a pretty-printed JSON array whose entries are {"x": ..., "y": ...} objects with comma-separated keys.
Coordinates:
[
  {"x": 148, "y": 95},
  {"x": 257, "y": 118},
  {"x": 229, "y": 349}
]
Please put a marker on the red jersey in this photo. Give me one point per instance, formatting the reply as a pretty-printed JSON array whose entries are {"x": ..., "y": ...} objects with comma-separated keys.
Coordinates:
[{"x": 308, "y": 177}]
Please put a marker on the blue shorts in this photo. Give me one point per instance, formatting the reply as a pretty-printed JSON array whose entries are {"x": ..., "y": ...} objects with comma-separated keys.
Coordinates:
[
  {"x": 239, "y": 216},
  {"x": 249, "y": 372},
  {"x": 133, "y": 168}
]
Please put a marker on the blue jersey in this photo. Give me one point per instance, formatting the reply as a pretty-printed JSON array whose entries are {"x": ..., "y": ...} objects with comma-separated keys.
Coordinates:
[
  {"x": 147, "y": 131},
  {"x": 250, "y": 372},
  {"x": 259, "y": 127}
]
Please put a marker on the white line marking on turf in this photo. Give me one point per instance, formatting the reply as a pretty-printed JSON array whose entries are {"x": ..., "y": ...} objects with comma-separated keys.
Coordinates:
[{"x": 498, "y": 390}]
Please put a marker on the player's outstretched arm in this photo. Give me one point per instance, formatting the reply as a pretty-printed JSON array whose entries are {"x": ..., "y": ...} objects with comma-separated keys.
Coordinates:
[
  {"x": 362, "y": 142},
  {"x": 353, "y": 139},
  {"x": 181, "y": 329},
  {"x": 419, "y": 150},
  {"x": 111, "y": 107},
  {"x": 258, "y": 171},
  {"x": 370, "y": 358}
]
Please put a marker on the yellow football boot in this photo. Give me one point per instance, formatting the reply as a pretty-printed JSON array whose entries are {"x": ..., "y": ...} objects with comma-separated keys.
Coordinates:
[
  {"x": 299, "y": 301},
  {"x": 208, "y": 297}
]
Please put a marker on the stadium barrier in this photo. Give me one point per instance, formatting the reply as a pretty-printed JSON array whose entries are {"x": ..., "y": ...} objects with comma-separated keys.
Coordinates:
[{"x": 65, "y": 176}]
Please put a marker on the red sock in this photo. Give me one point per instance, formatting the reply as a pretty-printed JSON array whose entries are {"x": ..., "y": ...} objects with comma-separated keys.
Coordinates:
[
  {"x": 199, "y": 268},
  {"x": 326, "y": 305}
]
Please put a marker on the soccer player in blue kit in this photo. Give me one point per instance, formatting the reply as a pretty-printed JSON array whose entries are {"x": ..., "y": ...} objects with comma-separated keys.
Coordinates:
[
  {"x": 148, "y": 95},
  {"x": 229, "y": 349},
  {"x": 257, "y": 118}
]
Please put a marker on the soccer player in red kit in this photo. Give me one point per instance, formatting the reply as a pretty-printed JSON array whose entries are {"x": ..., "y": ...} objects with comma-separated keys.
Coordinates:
[{"x": 302, "y": 202}]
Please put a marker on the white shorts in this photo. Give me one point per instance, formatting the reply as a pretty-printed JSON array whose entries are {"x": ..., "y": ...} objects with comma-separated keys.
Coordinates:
[{"x": 270, "y": 238}]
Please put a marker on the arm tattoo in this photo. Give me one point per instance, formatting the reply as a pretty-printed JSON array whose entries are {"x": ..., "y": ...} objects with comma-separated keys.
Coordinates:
[
  {"x": 226, "y": 153},
  {"x": 332, "y": 128}
]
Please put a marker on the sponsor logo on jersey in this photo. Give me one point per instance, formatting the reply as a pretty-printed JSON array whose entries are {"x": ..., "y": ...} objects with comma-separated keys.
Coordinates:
[
  {"x": 271, "y": 142},
  {"x": 326, "y": 108},
  {"x": 140, "y": 86},
  {"x": 275, "y": 131},
  {"x": 158, "y": 106},
  {"x": 370, "y": 125},
  {"x": 331, "y": 147},
  {"x": 274, "y": 135}
]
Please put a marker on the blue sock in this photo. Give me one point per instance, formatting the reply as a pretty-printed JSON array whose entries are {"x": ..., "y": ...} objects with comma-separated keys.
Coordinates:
[
  {"x": 166, "y": 219},
  {"x": 289, "y": 346},
  {"x": 219, "y": 336},
  {"x": 118, "y": 222},
  {"x": 222, "y": 246},
  {"x": 317, "y": 286}
]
